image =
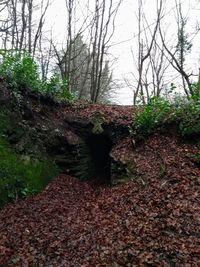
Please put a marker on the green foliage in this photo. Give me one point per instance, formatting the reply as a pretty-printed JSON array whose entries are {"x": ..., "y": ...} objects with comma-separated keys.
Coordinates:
[
  {"x": 152, "y": 117},
  {"x": 189, "y": 117},
  {"x": 20, "y": 177},
  {"x": 195, "y": 88},
  {"x": 4, "y": 121},
  {"x": 160, "y": 113},
  {"x": 56, "y": 87},
  {"x": 20, "y": 70}
]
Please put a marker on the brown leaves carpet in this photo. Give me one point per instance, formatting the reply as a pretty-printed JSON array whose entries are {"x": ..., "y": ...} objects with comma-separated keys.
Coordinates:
[{"x": 152, "y": 221}]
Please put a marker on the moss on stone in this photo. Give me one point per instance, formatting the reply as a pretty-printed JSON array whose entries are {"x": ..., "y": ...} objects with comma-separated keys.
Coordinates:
[{"x": 97, "y": 121}]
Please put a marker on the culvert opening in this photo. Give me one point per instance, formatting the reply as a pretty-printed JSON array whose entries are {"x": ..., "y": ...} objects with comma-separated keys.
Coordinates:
[{"x": 99, "y": 147}]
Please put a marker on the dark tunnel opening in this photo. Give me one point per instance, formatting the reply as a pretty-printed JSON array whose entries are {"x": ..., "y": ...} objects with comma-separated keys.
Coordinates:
[{"x": 99, "y": 148}]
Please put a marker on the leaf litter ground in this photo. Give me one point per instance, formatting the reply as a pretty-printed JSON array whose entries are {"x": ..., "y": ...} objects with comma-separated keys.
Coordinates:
[{"x": 153, "y": 220}]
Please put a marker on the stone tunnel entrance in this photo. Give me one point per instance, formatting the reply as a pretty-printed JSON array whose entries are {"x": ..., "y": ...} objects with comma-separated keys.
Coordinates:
[{"x": 99, "y": 147}]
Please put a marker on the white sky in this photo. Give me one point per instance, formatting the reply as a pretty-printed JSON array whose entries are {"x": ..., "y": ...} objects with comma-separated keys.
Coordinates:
[{"x": 125, "y": 36}]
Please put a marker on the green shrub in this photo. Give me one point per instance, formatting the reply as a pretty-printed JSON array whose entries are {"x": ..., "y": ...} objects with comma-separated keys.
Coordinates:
[
  {"x": 189, "y": 118},
  {"x": 58, "y": 88},
  {"x": 160, "y": 113},
  {"x": 4, "y": 121},
  {"x": 152, "y": 117},
  {"x": 195, "y": 91},
  {"x": 20, "y": 70},
  {"x": 20, "y": 177}
]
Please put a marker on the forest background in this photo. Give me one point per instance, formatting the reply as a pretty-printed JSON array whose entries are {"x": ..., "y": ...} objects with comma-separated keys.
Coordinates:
[{"x": 114, "y": 51}]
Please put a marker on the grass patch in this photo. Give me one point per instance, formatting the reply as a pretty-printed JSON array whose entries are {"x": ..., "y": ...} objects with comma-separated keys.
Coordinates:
[{"x": 21, "y": 176}]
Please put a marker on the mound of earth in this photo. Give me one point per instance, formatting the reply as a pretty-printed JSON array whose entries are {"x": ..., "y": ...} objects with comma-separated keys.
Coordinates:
[{"x": 81, "y": 137}]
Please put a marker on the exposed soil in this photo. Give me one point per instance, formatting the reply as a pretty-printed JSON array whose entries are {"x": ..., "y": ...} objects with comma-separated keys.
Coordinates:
[{"x": 153, "y": 220}]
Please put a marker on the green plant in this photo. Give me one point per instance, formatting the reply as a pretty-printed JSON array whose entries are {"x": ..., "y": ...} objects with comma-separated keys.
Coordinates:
[
  {"x": 20, "y": 70},
  {"x": 4, "y": 121},
  {"x": 195, "y": 88},
  {"x": 58, "y": 88},
  {"x": 155, "y": 113},
  {"x": 159, "y": 113},
  {"x": 188, "y": 116}
]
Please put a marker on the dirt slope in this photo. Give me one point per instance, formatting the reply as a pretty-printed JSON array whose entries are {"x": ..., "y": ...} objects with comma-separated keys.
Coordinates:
[{"x": 153, "y": 220}]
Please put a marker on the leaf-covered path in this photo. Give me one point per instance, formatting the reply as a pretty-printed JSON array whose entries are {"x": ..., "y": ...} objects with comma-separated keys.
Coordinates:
[{"x": 151, "y": 223}]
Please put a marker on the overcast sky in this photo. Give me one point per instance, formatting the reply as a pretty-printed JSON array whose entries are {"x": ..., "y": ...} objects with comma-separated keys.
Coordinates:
[{"x": 125, "y": 37}]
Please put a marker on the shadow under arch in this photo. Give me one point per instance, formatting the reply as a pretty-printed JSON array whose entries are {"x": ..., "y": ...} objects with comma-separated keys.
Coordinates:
[{"x": 99, "y": 147}]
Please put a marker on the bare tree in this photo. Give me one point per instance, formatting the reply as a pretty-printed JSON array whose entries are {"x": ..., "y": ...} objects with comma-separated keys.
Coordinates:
[
  {"x": 5, "y": 24},
  {"x": 22, "y": 31},
  {"x": 144, "y": 55},
  {"x": 44, "y": 56},
  {"x": 83, "y": 63},
  {"x": 148, "y": 53},
  {"x": 39, "y": 30},
  {"x": 80, "y": 72},
  {"x": 101, "y": 34},
  {"x": 176, "y": 53},
  {"x": 159, "y": 65},
  {"x": 177, "y": 66},
  {"x": 70, "y": 4},
  {"x": 67, "y": 56}
]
